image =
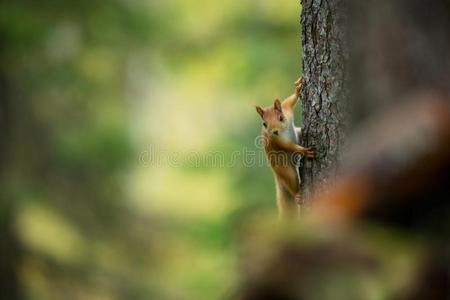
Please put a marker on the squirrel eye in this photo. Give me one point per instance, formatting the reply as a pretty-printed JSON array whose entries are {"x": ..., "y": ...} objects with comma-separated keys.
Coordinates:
[
  {"x": 265, "y": 125},
  {"x": 281, "y": 119}
]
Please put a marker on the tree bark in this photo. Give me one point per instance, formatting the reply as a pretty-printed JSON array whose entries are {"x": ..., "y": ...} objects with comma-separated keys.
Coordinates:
[{"x": 324, "y": 93}]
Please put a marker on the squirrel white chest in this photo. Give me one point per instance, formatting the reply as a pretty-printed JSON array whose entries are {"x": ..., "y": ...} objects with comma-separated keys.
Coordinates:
[{"x": 289, "y": 134}]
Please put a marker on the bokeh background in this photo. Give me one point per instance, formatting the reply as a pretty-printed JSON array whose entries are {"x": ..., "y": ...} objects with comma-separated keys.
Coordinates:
[{"x": 90, "y": 89}]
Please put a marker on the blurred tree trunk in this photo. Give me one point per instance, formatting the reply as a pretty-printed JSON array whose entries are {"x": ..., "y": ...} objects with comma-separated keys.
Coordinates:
[
  {"x": 9, "y": 245},
  {"x": 324, "y": 92},
  {"x": 399, "y": 49}
]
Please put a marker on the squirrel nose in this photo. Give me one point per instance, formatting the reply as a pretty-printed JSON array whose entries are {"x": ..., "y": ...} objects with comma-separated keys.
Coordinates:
[{"x": 275, "y": 132}]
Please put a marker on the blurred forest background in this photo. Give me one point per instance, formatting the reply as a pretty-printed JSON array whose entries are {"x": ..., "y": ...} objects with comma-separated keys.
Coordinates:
[{"x": 88, "y": 87}]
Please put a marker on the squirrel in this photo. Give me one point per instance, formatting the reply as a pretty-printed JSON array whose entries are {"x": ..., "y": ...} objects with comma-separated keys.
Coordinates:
[{"x": 281, "y": 139}]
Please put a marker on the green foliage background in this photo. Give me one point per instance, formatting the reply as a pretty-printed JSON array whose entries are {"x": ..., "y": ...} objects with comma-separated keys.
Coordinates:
[{"x": 96, "y": 87}]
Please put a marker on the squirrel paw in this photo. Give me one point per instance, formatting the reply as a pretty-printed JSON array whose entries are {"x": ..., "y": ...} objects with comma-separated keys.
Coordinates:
[
  {"x": 298, "y": 86},
  {"x": 298, "y": 199},
  {"x": 308, "y": 152}
]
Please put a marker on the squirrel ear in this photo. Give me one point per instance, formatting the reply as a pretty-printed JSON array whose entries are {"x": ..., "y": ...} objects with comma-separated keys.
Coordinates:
[
  {"x": 277, "y": 104},
  {"x": 260, "y": 111}
]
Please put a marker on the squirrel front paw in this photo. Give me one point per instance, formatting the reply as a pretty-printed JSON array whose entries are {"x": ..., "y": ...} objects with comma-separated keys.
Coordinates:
[
  {"x": 298, "y": 86},
  {"x": 308, "y": 152}
]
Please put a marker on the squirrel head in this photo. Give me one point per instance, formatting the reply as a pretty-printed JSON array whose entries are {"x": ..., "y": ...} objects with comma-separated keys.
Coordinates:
[{"x": 274, "y": 121}]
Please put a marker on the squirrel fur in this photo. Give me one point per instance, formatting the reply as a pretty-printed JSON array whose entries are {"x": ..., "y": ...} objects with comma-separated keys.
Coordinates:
[{"x": 281, "y": 145}]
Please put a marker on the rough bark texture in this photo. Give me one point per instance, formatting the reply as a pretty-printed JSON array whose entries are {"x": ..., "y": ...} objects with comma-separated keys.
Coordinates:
[{"x": 324, "y": 93}]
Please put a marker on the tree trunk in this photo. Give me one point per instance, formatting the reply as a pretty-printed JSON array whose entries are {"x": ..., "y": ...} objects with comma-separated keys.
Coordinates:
[
  {"x": 10, "y": 250},
  {"x": 324, "y": 93}
]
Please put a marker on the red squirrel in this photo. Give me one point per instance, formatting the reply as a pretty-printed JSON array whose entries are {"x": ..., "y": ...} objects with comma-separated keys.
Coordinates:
[{"x": 281, "y": 145}]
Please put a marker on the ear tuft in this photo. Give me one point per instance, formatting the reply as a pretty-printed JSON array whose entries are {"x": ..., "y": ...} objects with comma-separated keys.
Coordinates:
[
  {"x": 259, "y": 110},
  {"x": 277, "y": 104}
]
